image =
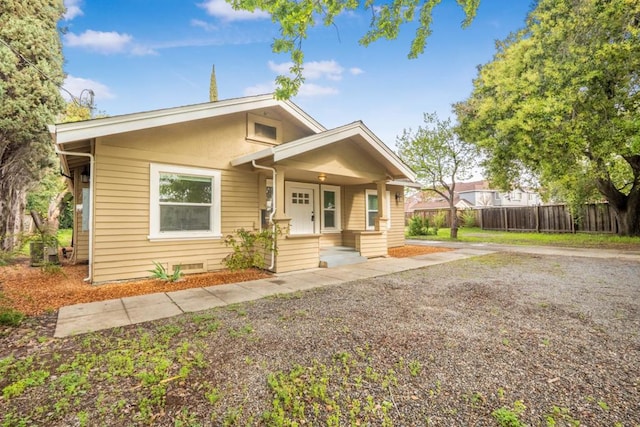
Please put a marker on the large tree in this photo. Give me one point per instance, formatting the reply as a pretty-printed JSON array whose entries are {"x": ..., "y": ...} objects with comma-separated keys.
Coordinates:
[
  {"x": 30, "y": 73},
  {"x": 561, "y": 101},
  {"x": 295, "y": 17},
  {"x": 439, "y": 158}
]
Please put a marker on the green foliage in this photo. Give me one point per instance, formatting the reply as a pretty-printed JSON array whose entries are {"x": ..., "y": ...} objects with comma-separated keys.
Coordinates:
[
  {"x": 438, "y": 156},
  {"x": 469, "y": 218},
  {"x": 559, "y": 105},
  {"x": 507, "y": 417},
  {"x": 439, "y": 221},
  {"x": 10, "y": 317},
  {"x": 249, "y": 248},
  {"x": 161, "y": 273},
  {"x": 31, "y": 69},
  {"x": 419, "y": 226},
  {"x": 296, "y": 17}
]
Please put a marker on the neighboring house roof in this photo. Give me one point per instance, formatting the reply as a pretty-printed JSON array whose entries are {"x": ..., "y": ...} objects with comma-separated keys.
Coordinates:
[{"x": 372, "y": 145}]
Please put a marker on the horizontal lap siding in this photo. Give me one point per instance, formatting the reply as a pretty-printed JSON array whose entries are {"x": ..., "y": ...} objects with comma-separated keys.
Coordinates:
[
  {"x": 122, "y": 249},
  {"x": 373, "y": 245},
  {"x": 297, "y": 254},
  {"x": 331, "y": 239},
  {"x": 395, "y": 235}
]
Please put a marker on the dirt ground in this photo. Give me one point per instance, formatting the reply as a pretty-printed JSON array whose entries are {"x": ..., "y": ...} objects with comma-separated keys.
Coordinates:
[
  {"x": 499, "y": 340},
  {"x": 34, "y": 291}
]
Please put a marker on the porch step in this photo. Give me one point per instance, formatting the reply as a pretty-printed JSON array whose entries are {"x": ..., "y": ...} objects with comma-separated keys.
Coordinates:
[{"x": 335, "y": 256}]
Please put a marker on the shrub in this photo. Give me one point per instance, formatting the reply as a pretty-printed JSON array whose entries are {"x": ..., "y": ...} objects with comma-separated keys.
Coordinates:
[
  {"x": 469, "y": 218},
  {"x": 440, "y": 220},
  {"x": 419, "y": 226},
  {"x": 249, "y": 248}
]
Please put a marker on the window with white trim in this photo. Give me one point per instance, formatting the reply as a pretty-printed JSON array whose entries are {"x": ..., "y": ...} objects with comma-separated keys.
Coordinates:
[
  {"x": 330, "y": 201},
  {"x": 371, "y": 197},
  {"x": 184, "y": 202}
]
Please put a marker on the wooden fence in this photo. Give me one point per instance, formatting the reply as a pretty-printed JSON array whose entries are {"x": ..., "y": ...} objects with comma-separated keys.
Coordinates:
[{"x": 594, "y": 218}]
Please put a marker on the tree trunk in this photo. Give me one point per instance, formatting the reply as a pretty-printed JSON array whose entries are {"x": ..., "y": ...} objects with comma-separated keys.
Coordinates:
[
  {"x": 628, "y": 216},
  {"x": 626, "y": 207},
  {"x": 12, "y": 204},
  {"x": 453, "y": 211}
]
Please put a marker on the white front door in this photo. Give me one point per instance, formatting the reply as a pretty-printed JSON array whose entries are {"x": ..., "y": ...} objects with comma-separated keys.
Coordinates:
[{"x": 300, "y": 208}]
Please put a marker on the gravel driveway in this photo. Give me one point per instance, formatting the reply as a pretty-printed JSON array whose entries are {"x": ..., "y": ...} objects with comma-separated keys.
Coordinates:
[{"x": 504, "y": 339}]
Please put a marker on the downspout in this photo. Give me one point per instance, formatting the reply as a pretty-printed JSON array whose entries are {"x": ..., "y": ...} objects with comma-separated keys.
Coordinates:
[
  {"x": 273, "y": 210},
  {"x": 91, "y": 182}
]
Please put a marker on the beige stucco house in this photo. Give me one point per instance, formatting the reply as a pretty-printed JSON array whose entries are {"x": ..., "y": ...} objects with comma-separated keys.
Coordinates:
[{"x": 166, "y": 186}]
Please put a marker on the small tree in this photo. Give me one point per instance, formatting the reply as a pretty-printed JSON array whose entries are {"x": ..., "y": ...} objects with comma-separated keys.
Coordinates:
[{"x": 439, "y": 158}]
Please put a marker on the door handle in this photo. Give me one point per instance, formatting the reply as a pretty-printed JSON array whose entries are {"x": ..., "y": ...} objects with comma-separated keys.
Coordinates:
[{"x": 313, "y": 216}]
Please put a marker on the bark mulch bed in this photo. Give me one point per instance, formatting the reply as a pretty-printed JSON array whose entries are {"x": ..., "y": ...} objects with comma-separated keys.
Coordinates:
[{"x": 33, "y": 291}]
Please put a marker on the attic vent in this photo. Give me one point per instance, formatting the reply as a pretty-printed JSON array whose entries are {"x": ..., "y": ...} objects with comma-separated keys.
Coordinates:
[
  {"x": 261, "y": 128},
  {"x": 265, "y": 131}
]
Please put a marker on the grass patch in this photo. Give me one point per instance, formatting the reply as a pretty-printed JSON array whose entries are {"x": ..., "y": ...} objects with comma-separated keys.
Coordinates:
[{"x": 583, "y": 240}]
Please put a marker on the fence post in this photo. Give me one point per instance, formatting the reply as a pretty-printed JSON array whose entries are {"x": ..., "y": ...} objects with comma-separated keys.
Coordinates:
[
  {"x": 506, "y": 219},
  {"x": 537, "y": 219}
]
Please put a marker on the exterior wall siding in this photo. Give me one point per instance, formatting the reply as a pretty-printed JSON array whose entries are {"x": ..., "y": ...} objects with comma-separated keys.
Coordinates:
[
  {"x": 122, "y": 249},
  {"x": 395, "y": 235},
  {"x": 297, "y": 253}
]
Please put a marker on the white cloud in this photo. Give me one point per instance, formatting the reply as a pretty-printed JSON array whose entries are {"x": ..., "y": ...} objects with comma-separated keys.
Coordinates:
[
  {"x": 260, "y": 89},
  {"x": 72, "y": 9},
  {"x": 282, "y": 68},
  {"x": 139, "y": 50},
  {"x": 314, "y": 70},
  {"x": 76, "y": 85},
  {"x": 356, "y": 71},
  {"x": 312, "y": 89},
  {"x": 99, "y": 41},
  {"x": 223, "y": 10},
  {"x": 204, "y": 25}
]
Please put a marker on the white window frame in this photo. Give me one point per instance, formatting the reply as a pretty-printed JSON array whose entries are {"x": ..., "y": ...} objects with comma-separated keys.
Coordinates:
[
  {"x": 366, "y": 214},
  {"x": 154, "y": 203},
  {"x": 337, "y": 209},
  {"x": 252, "y": 119}
]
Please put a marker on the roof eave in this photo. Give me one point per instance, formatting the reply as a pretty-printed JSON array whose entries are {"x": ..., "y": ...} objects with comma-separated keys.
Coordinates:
[{"x": 89, "y": 129}]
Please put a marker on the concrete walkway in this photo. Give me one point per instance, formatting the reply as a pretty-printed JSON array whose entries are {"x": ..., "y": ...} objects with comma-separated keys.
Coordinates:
[{"x": 95, "y": 316}]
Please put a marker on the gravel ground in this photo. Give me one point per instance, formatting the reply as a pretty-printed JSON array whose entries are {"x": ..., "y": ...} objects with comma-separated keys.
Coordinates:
[{"x": 504, "y": 339}]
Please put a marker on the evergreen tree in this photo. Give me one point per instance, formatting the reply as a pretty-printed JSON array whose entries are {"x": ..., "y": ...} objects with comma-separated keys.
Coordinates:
[
  {"x": 30, "y": 73},
  {"x": 213, "y": 86}
]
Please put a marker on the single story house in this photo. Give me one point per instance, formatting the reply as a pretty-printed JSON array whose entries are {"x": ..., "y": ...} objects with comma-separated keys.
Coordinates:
[{"x": 168, "y": 185}]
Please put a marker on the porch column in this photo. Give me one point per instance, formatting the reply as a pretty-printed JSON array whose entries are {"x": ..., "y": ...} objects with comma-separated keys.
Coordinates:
[
  {"x": 383, "y": 215},
  {"x": 280, "y": 218}
]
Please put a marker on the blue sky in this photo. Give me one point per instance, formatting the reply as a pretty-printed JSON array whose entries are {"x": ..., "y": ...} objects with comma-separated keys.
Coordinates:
[{"x": 141, "y": 55}]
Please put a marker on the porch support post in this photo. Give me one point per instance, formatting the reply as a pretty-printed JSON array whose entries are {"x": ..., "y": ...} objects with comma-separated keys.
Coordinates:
[
  {"x": 383, "y": 215},
  {"x": 280, "y": 218}
]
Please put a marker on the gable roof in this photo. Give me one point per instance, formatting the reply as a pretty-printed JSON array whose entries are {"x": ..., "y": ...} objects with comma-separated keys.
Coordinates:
[
  {"x": 373, "y": 145},
  {"x": 79, "y": 131}
]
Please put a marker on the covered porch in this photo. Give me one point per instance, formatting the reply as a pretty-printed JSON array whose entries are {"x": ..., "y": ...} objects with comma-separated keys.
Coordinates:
[{"x": 339, "y": 188}]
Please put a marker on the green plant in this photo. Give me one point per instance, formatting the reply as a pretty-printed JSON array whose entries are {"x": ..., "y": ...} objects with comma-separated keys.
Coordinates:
[
  {"x": 507, "y": 417},
  {"x": 9, "y": 316},
  {"x": 419, "y": 226},
  {"x": 439, "y": 220},
  {"x": 249, "y": 248},
  {"x": 161, "y": 273},
  {"x": 469, "y": 218}
]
